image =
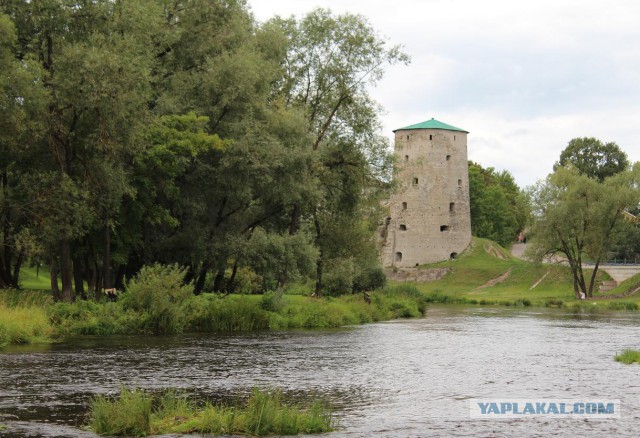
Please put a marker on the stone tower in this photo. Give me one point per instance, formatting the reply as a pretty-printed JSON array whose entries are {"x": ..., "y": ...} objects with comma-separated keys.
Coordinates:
[{"x": 429, "y": 218}]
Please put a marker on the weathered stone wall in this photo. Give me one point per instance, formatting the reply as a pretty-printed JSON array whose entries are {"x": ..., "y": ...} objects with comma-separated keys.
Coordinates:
[{"x": 429, "y": 219}]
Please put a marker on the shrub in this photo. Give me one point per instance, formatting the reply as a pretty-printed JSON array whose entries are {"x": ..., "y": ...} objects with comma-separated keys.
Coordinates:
[
  {"x": 338, "y": 277},
  {"x": 156, "y": 294},
  {"x": 272, "y": 301},
  {"x": 247, "y": 281},
  {"x": 369, "y": 279}
]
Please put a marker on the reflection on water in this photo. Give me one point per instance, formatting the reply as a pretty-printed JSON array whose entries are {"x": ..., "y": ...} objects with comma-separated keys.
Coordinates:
[{"x": 400, "y": 378}]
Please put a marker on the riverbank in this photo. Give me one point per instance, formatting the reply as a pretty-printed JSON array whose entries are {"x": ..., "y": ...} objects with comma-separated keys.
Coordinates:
[
  {"x": 485, "y": 274},
  {"x": 488, "y": 274},
  {"x": 31, "y": 317}
]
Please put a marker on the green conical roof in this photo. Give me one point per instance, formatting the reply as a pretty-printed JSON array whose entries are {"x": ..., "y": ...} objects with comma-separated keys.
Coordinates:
[{"x": 431, "y": 124}]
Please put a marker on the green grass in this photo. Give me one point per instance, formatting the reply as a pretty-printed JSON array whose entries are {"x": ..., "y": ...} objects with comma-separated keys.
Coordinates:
[
  {"x": 521, "y": 283},
  {"x": 137, "y": 413},
  {"x": 23, "y": 318},
  {"x": 628, "y": 356},
  {"x": 32, "y": 279}
]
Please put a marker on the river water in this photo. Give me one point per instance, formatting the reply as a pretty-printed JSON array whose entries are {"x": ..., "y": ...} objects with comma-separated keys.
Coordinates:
[{"x": 398, "y": 378}]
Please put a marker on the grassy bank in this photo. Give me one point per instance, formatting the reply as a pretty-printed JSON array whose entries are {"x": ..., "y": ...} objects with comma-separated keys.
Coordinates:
[
  {"x": 137, "y": 413},
  {"x": 24, "y": 319},
  {"x": 628, "y": 356},
  {"x": 157, "y": 302},
  {"x": 28, "y": 317},
  {"x": 487, "y": 274}
]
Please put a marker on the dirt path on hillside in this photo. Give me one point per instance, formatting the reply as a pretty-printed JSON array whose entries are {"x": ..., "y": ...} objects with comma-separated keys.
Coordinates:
[{"x": 499, "y": 279}]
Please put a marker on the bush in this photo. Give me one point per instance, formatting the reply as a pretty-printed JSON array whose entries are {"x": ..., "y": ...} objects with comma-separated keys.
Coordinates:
[
  {"x": 247, "y": 281},
  {"x": 156, "y": 294},
  {"x": 370, "y": 279},
  {"x": 338, "y": 277},
  {"x": 272, "y": 301}
]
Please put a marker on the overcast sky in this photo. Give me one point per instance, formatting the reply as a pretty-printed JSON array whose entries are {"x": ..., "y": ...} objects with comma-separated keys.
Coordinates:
[{"x": 523, "y": 78}]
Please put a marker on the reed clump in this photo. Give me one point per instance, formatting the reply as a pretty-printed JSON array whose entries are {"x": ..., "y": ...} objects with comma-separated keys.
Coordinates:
[
  {"x": 134, "y": 412},
  {"x": 628, "y": 356}
]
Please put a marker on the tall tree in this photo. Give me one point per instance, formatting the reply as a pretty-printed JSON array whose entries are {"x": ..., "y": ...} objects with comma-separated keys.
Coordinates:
[
  {"x": 498, "y": 207},
  {"x": 22, "y": 109},
  {"x": 330, "y": 63},
  {"x": 576, "y": 216},
  {"x": 593, "y": 158}
]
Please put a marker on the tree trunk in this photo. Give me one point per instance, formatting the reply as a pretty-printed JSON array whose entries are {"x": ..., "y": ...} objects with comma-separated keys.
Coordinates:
[
  {"x": 65, "y": 272},
  {"x": 54, "y": 279},
  {"x": 320, "y": 262},
  {"x": 200, "y": 281},
  {"x": 294, "y": 226},
  {"x": 78, "y": 277},
  {"x": 89, "y": 275},
  {"x": 217, "y": 282},
  {"x": 593, "y": 278},
  {"x": 230, "y": 286},
  {"x": 106, "y": 254}
]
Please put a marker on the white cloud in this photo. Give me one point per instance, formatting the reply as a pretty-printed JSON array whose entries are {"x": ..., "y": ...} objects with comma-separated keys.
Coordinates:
[{"x": 523, "y": 77}]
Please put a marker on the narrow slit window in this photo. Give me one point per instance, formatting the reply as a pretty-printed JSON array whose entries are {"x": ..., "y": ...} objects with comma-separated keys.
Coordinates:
[
  {"x": 398, "y": 257},
  {"x": 448, "y": 157},
  {"x": 430, "y": 137},
  {"x": 459, "y": 183},
  {"x": 403, "y": 227},
  {"x": 407, "y": 137},
  {"x": 404, "y": 206},
  {"x": 406, "y": 158},
  {"x": 444, "y": 228},
  {"x": 415, "y": 181},
  {"x": 452, "y": 207},
  {"x": 454, "y": 138}
]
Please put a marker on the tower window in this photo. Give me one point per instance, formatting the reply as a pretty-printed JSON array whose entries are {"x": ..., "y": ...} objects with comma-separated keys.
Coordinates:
[
  {"x": 406, "y": 158},
  {"x": 430, "y": 137},
  {"x": 452, "y": 207},
  {"x": 448, "y": 157},
  {"x": 404, "y": 206},
  {"x": 454, "y": 137},
  {"x": 403, "y": 227},
  {"x": 444, "y": 228},
  {"x": 415, "y": 181},
  {"x": 407, "y": 137},
  {"x": 398, "y": 257},
  {"x": 459, "y": 183},
  {"x": 453, "y": 255}
]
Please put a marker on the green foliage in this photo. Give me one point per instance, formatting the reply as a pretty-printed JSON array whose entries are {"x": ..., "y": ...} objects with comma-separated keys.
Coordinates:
[
  {"x": 272, "y": 301},
  {"x": 499, "y": 210},
  {"x": 265, "y": 413},
  {"x": 24, "y": 325},
  {"x": 369, "y": 278},
  {"x": 590, "y": 157},
  {"x": 211, "y": 313},
  {"x": 128, "y": 414},
  {"x": 628, "y": 356},
  {"x": 576, "y": 216},
  {"x": 156, "y": 294}
]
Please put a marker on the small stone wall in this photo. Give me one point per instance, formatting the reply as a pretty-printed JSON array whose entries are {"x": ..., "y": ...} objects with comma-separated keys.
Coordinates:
[{"x": 416, "y": 275}]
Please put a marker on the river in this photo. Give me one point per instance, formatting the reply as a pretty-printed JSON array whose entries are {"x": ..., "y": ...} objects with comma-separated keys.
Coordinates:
[{"x": 399, "y": 378}]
